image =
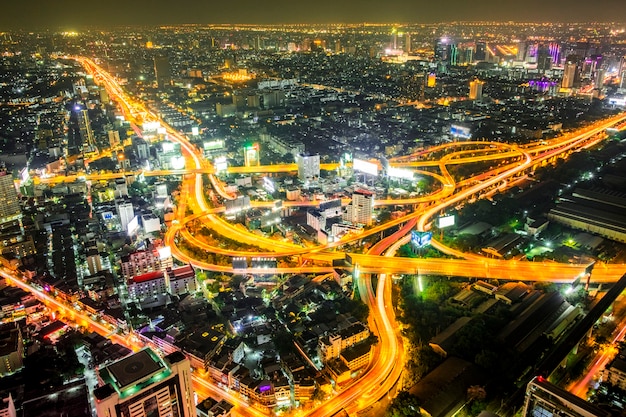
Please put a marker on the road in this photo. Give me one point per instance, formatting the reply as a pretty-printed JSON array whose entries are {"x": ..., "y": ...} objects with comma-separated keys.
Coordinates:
[{"x": 387, "y": 365}]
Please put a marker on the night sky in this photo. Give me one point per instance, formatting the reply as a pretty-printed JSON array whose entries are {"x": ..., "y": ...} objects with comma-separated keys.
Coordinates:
[{"x": 78, "y": 14}]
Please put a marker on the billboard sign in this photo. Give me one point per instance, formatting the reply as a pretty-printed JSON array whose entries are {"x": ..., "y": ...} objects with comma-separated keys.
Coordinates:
[
  {"x": 365, "y": 166},
  {"x": 445, "y": 221},
  {"x": 460, "y": 131}
]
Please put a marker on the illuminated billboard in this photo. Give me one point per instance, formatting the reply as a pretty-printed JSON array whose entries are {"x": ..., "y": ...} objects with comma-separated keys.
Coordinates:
[
  {"x": 195, "y": 131},
  {"x": 365, "y": 166},
  {"x": 460, "y": 131},
  {"x": 400, "y": 173},
  {"x": 421, "y": 239},
  {"x": 212, "y": 145},
  {"x": 251, "y": 155},
  {"x": 445, "y": 221}
]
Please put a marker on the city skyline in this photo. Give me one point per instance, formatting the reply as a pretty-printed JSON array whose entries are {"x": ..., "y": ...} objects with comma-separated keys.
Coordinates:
[{"x": 75, "y": 15}]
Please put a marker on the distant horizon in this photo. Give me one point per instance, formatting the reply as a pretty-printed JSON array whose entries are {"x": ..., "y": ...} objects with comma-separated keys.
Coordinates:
[
  {"x": 42, "y": 14},
  {"x": 86, "y": 27}
]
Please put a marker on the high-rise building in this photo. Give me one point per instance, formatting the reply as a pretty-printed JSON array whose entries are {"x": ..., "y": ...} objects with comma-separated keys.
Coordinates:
[
  {"x": 569, "y": 75},
  {"x": 361, "y": 209},
  {"x": 622, "y": 83},
  {"x": 476, "y": 90},
  {"x": 599, "y": 81},
  {"x": 125, "y": 212},
  {"x": 546, "y": 399},
  {"x": 308, "y": 167},
  {"x": 544, "y": 59},
  {"x": 162, "y": 71},
  {"x": 9, "y": 203},
  {"x": 442, "y": 50},
  {"x": 481, "y": 51},
  {"x": 142, "y": 385},
  {"x": 11, "y": 349},
  {"x": 407, "y": 43},
  {"x": 86, "y": 133},
  {"x": 521, "y": 51}
]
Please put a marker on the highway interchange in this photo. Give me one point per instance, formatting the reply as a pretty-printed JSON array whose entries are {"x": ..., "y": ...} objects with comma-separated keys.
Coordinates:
[{"x": 386, "y": 367}]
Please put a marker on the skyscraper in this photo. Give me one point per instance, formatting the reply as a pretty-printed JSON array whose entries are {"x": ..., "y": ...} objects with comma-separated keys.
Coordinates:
[
  {"x": 476, "y": 90},
  {"x": 407, "y": 43},
  {"x": 162, "y": 71},
  {"x": 9, "y": 203},
  {"x": 481, "y": 51},
  {"x": 86, "y": 133},
  {"x": 142, "y": 385},
  {"x": 599, "y": 81},
  {"x": 362, "y": 207},
  {"x": 569, "y": 75},
  {"x": 544, "y": 59}
]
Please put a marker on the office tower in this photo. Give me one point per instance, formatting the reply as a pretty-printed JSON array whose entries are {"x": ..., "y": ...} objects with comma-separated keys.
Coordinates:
[
  {"x": 622, "y": 83},
  {"x": 569, "y": 75},
  {"x": 407, "y": 43},
  {"x": 125, "y": 212},
  {"x": 308, "y": 167},
  {"x": 544, "y": 59},
  {"x": 521, "y": 51},
  {"x": 546, "y": 399},
  {"x": 442, "y": 50},
  {"x": 362, "y": 207},
  {"x": 453, "y": 54},
  {"x": 599, "y": 81},
  {"x": 481, "y": 51},
  {"x": 162, "y": 71},
  {"x": 142, "y": 385},
  {"x": 476, "y": 90},
  {"x": 9, "y": 202}
]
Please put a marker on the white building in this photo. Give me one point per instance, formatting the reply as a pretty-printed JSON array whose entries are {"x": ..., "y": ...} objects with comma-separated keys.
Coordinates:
[
  {"x": 308, "y": 167},
  {"x": 361, "y": 209},
  {"x": 125, "y": 212}
]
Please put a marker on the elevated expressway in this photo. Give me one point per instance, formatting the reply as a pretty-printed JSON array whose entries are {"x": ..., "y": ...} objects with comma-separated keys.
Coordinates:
[{"x": 386, "y": 367}]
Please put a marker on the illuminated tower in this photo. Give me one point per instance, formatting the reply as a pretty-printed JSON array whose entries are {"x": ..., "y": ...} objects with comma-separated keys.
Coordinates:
[
  {"x": 481, "y": 51},
  {"x": 143, "y": 384},
  {"x": 521, "y": 51},
  {"x": 569, "y": 75},
  {"x": 599, "y": 82},
  {"x": 407, "y": 43},
  {"x": 162, "y": 71},
  {"x": 9, "y": 202},
  {"x": 544, "y": 59},
  {"x": 476, "y": 90},
  {"x": 362, "y": 207},
  {"x": 86, "y": 133}
]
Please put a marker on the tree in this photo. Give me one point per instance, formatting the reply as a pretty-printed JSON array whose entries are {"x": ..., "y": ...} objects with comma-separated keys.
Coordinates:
[{"x": 404, "y": 405}]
